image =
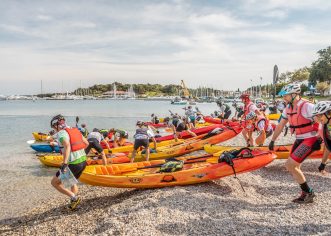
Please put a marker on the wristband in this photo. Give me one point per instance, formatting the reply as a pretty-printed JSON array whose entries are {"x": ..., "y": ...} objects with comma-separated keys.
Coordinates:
[{"x": 63, "y": 166}]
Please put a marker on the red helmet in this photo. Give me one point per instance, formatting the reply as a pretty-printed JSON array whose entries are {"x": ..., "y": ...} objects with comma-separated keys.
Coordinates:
[{"x": 244, "y": 96}]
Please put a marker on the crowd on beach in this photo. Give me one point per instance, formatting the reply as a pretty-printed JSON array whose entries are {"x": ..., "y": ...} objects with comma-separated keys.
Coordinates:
[{"x": 308, "y": 121}]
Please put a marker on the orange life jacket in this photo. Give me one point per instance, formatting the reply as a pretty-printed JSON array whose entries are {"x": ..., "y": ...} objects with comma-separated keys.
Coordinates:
[
  {"x": 76, "y": 139},
  {"x": 298, "y": 123}
]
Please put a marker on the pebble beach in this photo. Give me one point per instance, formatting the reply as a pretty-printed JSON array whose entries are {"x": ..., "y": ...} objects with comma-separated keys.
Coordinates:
[{"x": 219, "y": 207}]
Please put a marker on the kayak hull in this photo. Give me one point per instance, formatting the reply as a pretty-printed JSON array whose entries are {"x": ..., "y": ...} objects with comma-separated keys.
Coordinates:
[
  {"x": 281, "y": 151},
  {"x": 191, "y": 146},
  {"x": 197, "y": 131},
  {"x": 44, "y": 148},
  {"x": 40, "y": 136},
  {"x": 192, "y": 173},
  {"x": 274, "y": 116},
  {"x": 57, "y": 160}
]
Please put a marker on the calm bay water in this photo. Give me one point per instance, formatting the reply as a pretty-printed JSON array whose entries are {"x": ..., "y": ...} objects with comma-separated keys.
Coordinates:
[{"x": 24, "y": 181}]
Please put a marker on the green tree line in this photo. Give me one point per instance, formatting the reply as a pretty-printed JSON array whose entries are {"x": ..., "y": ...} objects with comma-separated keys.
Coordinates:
[
  {"x": 144, "y": 89},
  {"x": 318, "y": 74}
]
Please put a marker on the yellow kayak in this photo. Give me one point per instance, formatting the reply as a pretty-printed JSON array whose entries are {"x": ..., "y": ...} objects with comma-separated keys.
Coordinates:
[
  {"x": 129, "y": 148},
  {"x": 190, "y": 145},
  {"x": 282, "y": 151},
  {"x": 117, "y": 156},
  {"x": 40, "y": 136},
  {"x": 57, "y": 160},
  {"x": 274, "y": 116}
]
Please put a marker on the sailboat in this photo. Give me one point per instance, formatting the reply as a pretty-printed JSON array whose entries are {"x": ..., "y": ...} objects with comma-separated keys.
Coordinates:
[{"x": 131, "y": 94}]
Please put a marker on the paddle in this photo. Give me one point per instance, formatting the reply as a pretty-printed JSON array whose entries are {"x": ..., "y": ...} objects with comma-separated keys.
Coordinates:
[{"x": 77, "y": 120}]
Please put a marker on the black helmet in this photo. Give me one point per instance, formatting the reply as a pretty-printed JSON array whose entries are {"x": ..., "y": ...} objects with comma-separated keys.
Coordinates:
[
  {"x": 139, "y": 123},
  {"x": 95, "y": 130},
  {"x": 55, "y": 120}
]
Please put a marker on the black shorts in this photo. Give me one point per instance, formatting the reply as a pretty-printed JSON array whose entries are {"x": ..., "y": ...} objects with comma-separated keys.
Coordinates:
[
  {"x": 124, "y": 135},
  {"x": 227, "y": 114},
  {"x": 76, "y": 169},
  {"x": 269, "y": 133},
  {"x": 181, "y": 127},
  {"x": 140, "y": 143},
  {"x": 93, "y": 143}
]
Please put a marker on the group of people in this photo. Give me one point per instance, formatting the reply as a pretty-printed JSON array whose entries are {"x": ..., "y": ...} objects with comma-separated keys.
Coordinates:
[{"x": 310, "y": 123}]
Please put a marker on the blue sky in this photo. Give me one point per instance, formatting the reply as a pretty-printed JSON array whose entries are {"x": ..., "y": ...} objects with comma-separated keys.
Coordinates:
[{"x": 221, "y": 44}]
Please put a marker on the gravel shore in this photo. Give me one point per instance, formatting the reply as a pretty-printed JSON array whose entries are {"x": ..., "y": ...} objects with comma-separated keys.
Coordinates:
[{"x": 216, "y": 208}]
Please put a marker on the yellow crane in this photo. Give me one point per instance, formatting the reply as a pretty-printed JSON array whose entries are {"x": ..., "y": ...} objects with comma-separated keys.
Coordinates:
[{"x": 186, "y": 93}]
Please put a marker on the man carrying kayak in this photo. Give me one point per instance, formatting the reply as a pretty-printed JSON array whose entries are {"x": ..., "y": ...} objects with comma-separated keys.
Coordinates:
[
  {"x": 154, "y": 119},
  {"x": 322, "y": 112},
  {"x": 225, "y": 110},
  {"x": 141, "y": 139},
  {"x": 178, "y": 125},
  {"x": 72, "y": 145},
  {"x": 120, "y": 136},
  {"x": 249, "y": 106},
  {"x": 260, "y": 124},
  {"x": 94, "y": 139},
  {"x": 190, "y": 116},
  {"x": 239, "y": 111},
  {"x": 298, "y": 113}
]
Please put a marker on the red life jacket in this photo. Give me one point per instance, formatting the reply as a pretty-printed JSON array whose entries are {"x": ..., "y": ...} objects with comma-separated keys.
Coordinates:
[
  {"x": 246, "y": 108},
  {"x": 298, "y": 123},
  {"x": 76, "y": 139},
  {"x": 266, "y": 125},
  {"x": 247, "y": 126}
]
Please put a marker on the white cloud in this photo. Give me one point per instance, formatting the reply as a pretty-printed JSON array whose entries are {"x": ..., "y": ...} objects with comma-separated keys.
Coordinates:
[
  {"x": 156, "y": 42},
  {"x": 279, "y": 14},
  {"x": 44, "y": 17},
  {"x": 220, "y": 20}
]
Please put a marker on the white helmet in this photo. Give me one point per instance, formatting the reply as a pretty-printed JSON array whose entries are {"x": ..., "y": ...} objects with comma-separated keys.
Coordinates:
[
  {"x": 289, "y": 89},
  {"x": 251, "y": 115},
  {"x": 321, "y": 108}
]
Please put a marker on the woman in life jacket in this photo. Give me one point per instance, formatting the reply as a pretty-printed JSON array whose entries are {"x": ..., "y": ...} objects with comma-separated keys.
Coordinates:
[
  {"x": 72, "y": 144},
  {"x": 260, "y": 124},
  {"x": 249, "y": 106},
  {"x": 298, "y": 114},
  {"x": 322, "y": 112}
]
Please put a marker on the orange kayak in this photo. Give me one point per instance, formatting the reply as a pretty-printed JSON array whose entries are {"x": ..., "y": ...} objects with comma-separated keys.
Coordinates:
[
  {"x": 147, "y": 174},
  {"x": 282, "y": 151},
  {"x": 191, "y": 145}
]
